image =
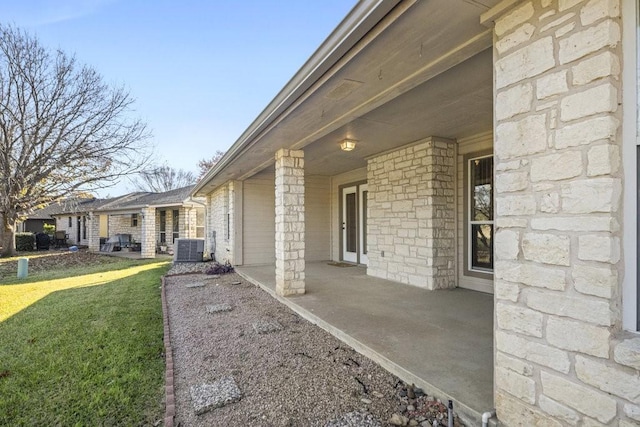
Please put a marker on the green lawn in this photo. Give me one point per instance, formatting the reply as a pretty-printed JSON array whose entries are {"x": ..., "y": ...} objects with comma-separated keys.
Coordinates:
[{"x": 85, "y": 349}]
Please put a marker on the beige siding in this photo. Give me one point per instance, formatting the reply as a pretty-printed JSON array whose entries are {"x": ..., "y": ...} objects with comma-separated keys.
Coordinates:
[
  {"x": 466, "y": 146},
  {"x": 259, "y": 220},
  {"x": 356, "y": 175},
  {"x": 317, "y": 210}
]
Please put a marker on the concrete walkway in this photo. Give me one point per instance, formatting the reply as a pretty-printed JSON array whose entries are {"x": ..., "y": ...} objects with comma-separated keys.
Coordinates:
[{"x": 440, "y": 340}]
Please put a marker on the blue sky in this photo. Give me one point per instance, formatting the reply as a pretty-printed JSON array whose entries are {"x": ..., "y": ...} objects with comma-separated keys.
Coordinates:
[{"x": 200, "y": 70}]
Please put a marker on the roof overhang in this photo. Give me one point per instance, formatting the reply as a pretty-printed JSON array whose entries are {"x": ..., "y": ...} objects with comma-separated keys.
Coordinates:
[{"x": 385, "y": 58}]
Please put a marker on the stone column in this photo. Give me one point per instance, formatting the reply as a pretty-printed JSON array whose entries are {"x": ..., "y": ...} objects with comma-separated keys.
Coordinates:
[
  {"x": 148, "y": 233},
  {"x": 93, "y": 232},
  {"x": 558, "y": 217},
  {"x": 289, "y": 222}
]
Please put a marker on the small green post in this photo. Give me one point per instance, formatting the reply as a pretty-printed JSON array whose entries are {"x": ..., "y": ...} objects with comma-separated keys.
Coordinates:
[{"x": 23, "y": 268}]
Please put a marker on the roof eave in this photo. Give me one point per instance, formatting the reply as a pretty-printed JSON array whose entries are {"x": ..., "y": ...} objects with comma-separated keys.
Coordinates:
[{"x": 360, "y": 20}]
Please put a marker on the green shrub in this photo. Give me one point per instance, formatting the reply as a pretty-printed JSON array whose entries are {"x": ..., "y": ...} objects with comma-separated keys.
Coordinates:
[
  {"x": 25, "y": 241},
  {"x": 49, "y": 229}
]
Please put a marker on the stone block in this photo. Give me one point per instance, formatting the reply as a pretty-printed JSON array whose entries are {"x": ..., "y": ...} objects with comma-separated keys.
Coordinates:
[
  {"x": 632, "y": 411},
  {"x": 550, "y": 202},
  {"x": 555, "y": 167},
  {"x": 587, "y": 132},
  {"x": 514, "y": 412},
  {"x": 206, "y": 397},
  {"x": 582, "y": 43},
  {"x": 596, "y": 311},
  {"x": 507, "y": 245},
  {"x": 552, "y": 84},
  {"x": 591, "y": 195},
  {"x": 506, "y": 291},
  {"x": 558, "y": 411},
  {"x": 511, "y": 222},
  {"x": 599, "y": 248},
  {"x": 524, "y": 388},
  {"x": 516, "y": 205},
  {"x": 521, "y": 138},
  {"x": 528, "y": 61},
  {"x": 581, "y": 223},
  {"x": 627, "y": 353},
  {"x": 531, "y": 275},
  {"x": 595, "y": 10},
  {"x": 546, "y": 248},
  {"x": 603, "y": 160},
  {"x": 520, "y": 35},
  {"x": 514, "y": 18},
  {"x": 608, "y": 378},
  {"x": 514, "y": 101},
  {"x": 578, "y": 336},
  {"x": 567, "y": 4},
  {"x": 563, "y": 31},
  {"x": 516, "y": 365},
  {"x": 597, "y": 281},
  {"x": 600, "y": 99},
  {"x": 557, "y": 22},
  {"x": 519, "y": 319},
  {"x": 509, "y": 182},
  {"x": 219, "y": 308},
  {"x": 533, "y": 351},
  {"x": 585, "y": 400},
  {"x": 603, "y": 65}
]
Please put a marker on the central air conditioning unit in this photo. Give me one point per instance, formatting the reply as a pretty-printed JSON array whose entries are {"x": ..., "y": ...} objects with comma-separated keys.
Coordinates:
[{"x": 188, "y": 250}]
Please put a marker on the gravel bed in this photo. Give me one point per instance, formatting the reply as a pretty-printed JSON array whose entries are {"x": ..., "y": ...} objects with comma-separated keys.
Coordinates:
[{"x": 298, "y": 375}]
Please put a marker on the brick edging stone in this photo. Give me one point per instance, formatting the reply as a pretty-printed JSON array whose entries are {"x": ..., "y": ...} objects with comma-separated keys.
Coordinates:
[{"x": 170, "y": 401}]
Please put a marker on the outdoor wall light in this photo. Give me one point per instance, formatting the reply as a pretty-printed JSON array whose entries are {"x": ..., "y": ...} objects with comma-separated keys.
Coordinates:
[{"x": 347, "y": 144}]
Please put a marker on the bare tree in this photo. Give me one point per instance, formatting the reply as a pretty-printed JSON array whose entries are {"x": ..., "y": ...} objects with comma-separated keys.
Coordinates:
[
  {"x": 62, "y": 129},
  {"x": 163, "y": 178},
  {"x": 205, "y": 164}
]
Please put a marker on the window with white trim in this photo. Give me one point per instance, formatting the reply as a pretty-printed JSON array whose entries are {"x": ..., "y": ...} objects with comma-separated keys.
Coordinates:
[{"x": 479, "y": 214}]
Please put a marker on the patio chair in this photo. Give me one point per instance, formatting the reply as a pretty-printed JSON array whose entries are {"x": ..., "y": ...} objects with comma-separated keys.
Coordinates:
[{"x": 60, "y": 238}]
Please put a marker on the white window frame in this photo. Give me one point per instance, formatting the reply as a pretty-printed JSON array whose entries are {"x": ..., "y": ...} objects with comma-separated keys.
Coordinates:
[
  {"x": 470, "y": 223},
  {"x": 630, "y": 147}
]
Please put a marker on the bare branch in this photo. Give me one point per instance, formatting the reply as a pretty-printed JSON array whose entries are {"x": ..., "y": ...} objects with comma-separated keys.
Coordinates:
[{"x": 62, "y": 128}]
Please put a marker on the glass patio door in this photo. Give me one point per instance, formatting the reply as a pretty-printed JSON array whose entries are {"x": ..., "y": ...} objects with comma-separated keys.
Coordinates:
[{"x": 354, "y": 224}]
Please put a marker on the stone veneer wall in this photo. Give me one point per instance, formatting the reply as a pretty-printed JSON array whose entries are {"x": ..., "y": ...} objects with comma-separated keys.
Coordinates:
[
  {"x": 121, "y": 224},
  {"x": 561, "y": 358},
  {"x": 411, "y": 219},
  {"x": 219, "y": 204}
]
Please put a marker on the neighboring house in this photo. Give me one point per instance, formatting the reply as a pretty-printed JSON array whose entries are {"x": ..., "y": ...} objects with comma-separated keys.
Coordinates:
[
  {"x": 495, "y": 150},
  {"x": 35, "y": 222},
  {"x": 151, "y": 219}
]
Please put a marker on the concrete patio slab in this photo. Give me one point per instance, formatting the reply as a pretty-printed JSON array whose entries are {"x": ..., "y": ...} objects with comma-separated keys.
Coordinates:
[{"x": 440, "y": 340}]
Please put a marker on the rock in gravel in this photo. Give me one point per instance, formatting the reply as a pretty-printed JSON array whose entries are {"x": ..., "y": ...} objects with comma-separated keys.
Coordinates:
[
  {"x": 411, "y": 408},
  {"x": 206, "y": 397},
  {"x": 377, "y": 394},
  {"x": 195, "y": 285},
  {"x": 219, "y": 308},
  {"x": 265, "y": 327},
  {"x": 355, "y": 419},
  {"x": 365, "y": 401},
  {"x": 398, "y": 420}
]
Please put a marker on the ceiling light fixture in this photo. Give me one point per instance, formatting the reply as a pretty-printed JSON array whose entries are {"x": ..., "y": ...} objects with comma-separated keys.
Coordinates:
[{"x": 347, "y": 144}]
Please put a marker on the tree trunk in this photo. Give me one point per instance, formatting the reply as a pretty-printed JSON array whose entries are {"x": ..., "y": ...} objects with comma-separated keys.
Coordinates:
[{"x": 8, "y": 237}]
